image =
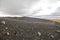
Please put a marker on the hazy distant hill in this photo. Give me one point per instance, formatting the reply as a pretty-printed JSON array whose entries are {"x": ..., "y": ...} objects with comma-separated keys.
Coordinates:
[
  {"x": 48, "y": 16},
  {"x": 30, "y": 19}
]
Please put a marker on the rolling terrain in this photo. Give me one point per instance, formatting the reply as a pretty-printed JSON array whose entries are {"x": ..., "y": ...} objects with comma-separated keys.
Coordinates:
[
  {"x": 56, "y": 19},
  {"x": 26, "y": 28}
]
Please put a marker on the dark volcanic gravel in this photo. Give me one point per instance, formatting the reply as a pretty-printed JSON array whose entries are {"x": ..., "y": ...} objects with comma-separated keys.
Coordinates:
[{"x": 12, "y": 29}]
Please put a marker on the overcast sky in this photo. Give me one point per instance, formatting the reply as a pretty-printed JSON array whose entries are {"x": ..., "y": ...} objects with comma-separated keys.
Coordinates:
[{"x": 29, "y": 7}]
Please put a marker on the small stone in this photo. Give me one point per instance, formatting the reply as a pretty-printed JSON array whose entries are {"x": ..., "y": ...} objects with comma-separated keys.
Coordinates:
[
  {"x": 21, "y": 33},
  {"x": 8, "y": 33},
  {"x": 35, "y": 39},
  {"x": 6, "y": 28},
  {"x": 15, "y": 32},
  {"x": 41, "y": 39},
  {"x": 52, "y": 36},
  {"x": 57, "y": 30},
  {"x": 49, "y": 34},
  {"x": 3, "y": 22},
  {"x": 23, "y": 38},
  {"x": 39, "y": 33}
]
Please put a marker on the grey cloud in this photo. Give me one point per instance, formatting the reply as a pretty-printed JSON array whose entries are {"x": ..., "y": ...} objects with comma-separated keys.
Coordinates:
[
  {"x": 57, "y": 12},
  {"x": 53, "y": 1},
  {"x": 19, "y": 7},
  {"x": 16, "y": 7}
]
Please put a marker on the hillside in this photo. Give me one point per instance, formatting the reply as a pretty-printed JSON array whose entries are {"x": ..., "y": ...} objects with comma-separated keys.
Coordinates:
[
  {"x": 29, "y": 19},
  {"x": 56, "y": 19},
  {"x": 28, "y": 29}
]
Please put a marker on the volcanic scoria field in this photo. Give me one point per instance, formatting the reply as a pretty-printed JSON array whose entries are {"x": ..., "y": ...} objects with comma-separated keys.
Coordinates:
[{"x": 26, "y": 28}]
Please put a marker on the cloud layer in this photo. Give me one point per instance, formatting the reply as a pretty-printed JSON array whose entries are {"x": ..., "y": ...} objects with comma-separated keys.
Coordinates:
[
  {"x": 28, "y": 7},
  {"x": 16, "y": 7}
]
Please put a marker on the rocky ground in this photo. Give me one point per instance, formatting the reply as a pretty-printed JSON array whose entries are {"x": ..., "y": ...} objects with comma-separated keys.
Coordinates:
[{"x": 14, "y": 29}]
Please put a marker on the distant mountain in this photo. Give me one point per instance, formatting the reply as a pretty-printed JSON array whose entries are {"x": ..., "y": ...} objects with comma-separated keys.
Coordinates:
[
  {"x": 30, "y": 19},
  {"x": 48, "y": 16}
]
